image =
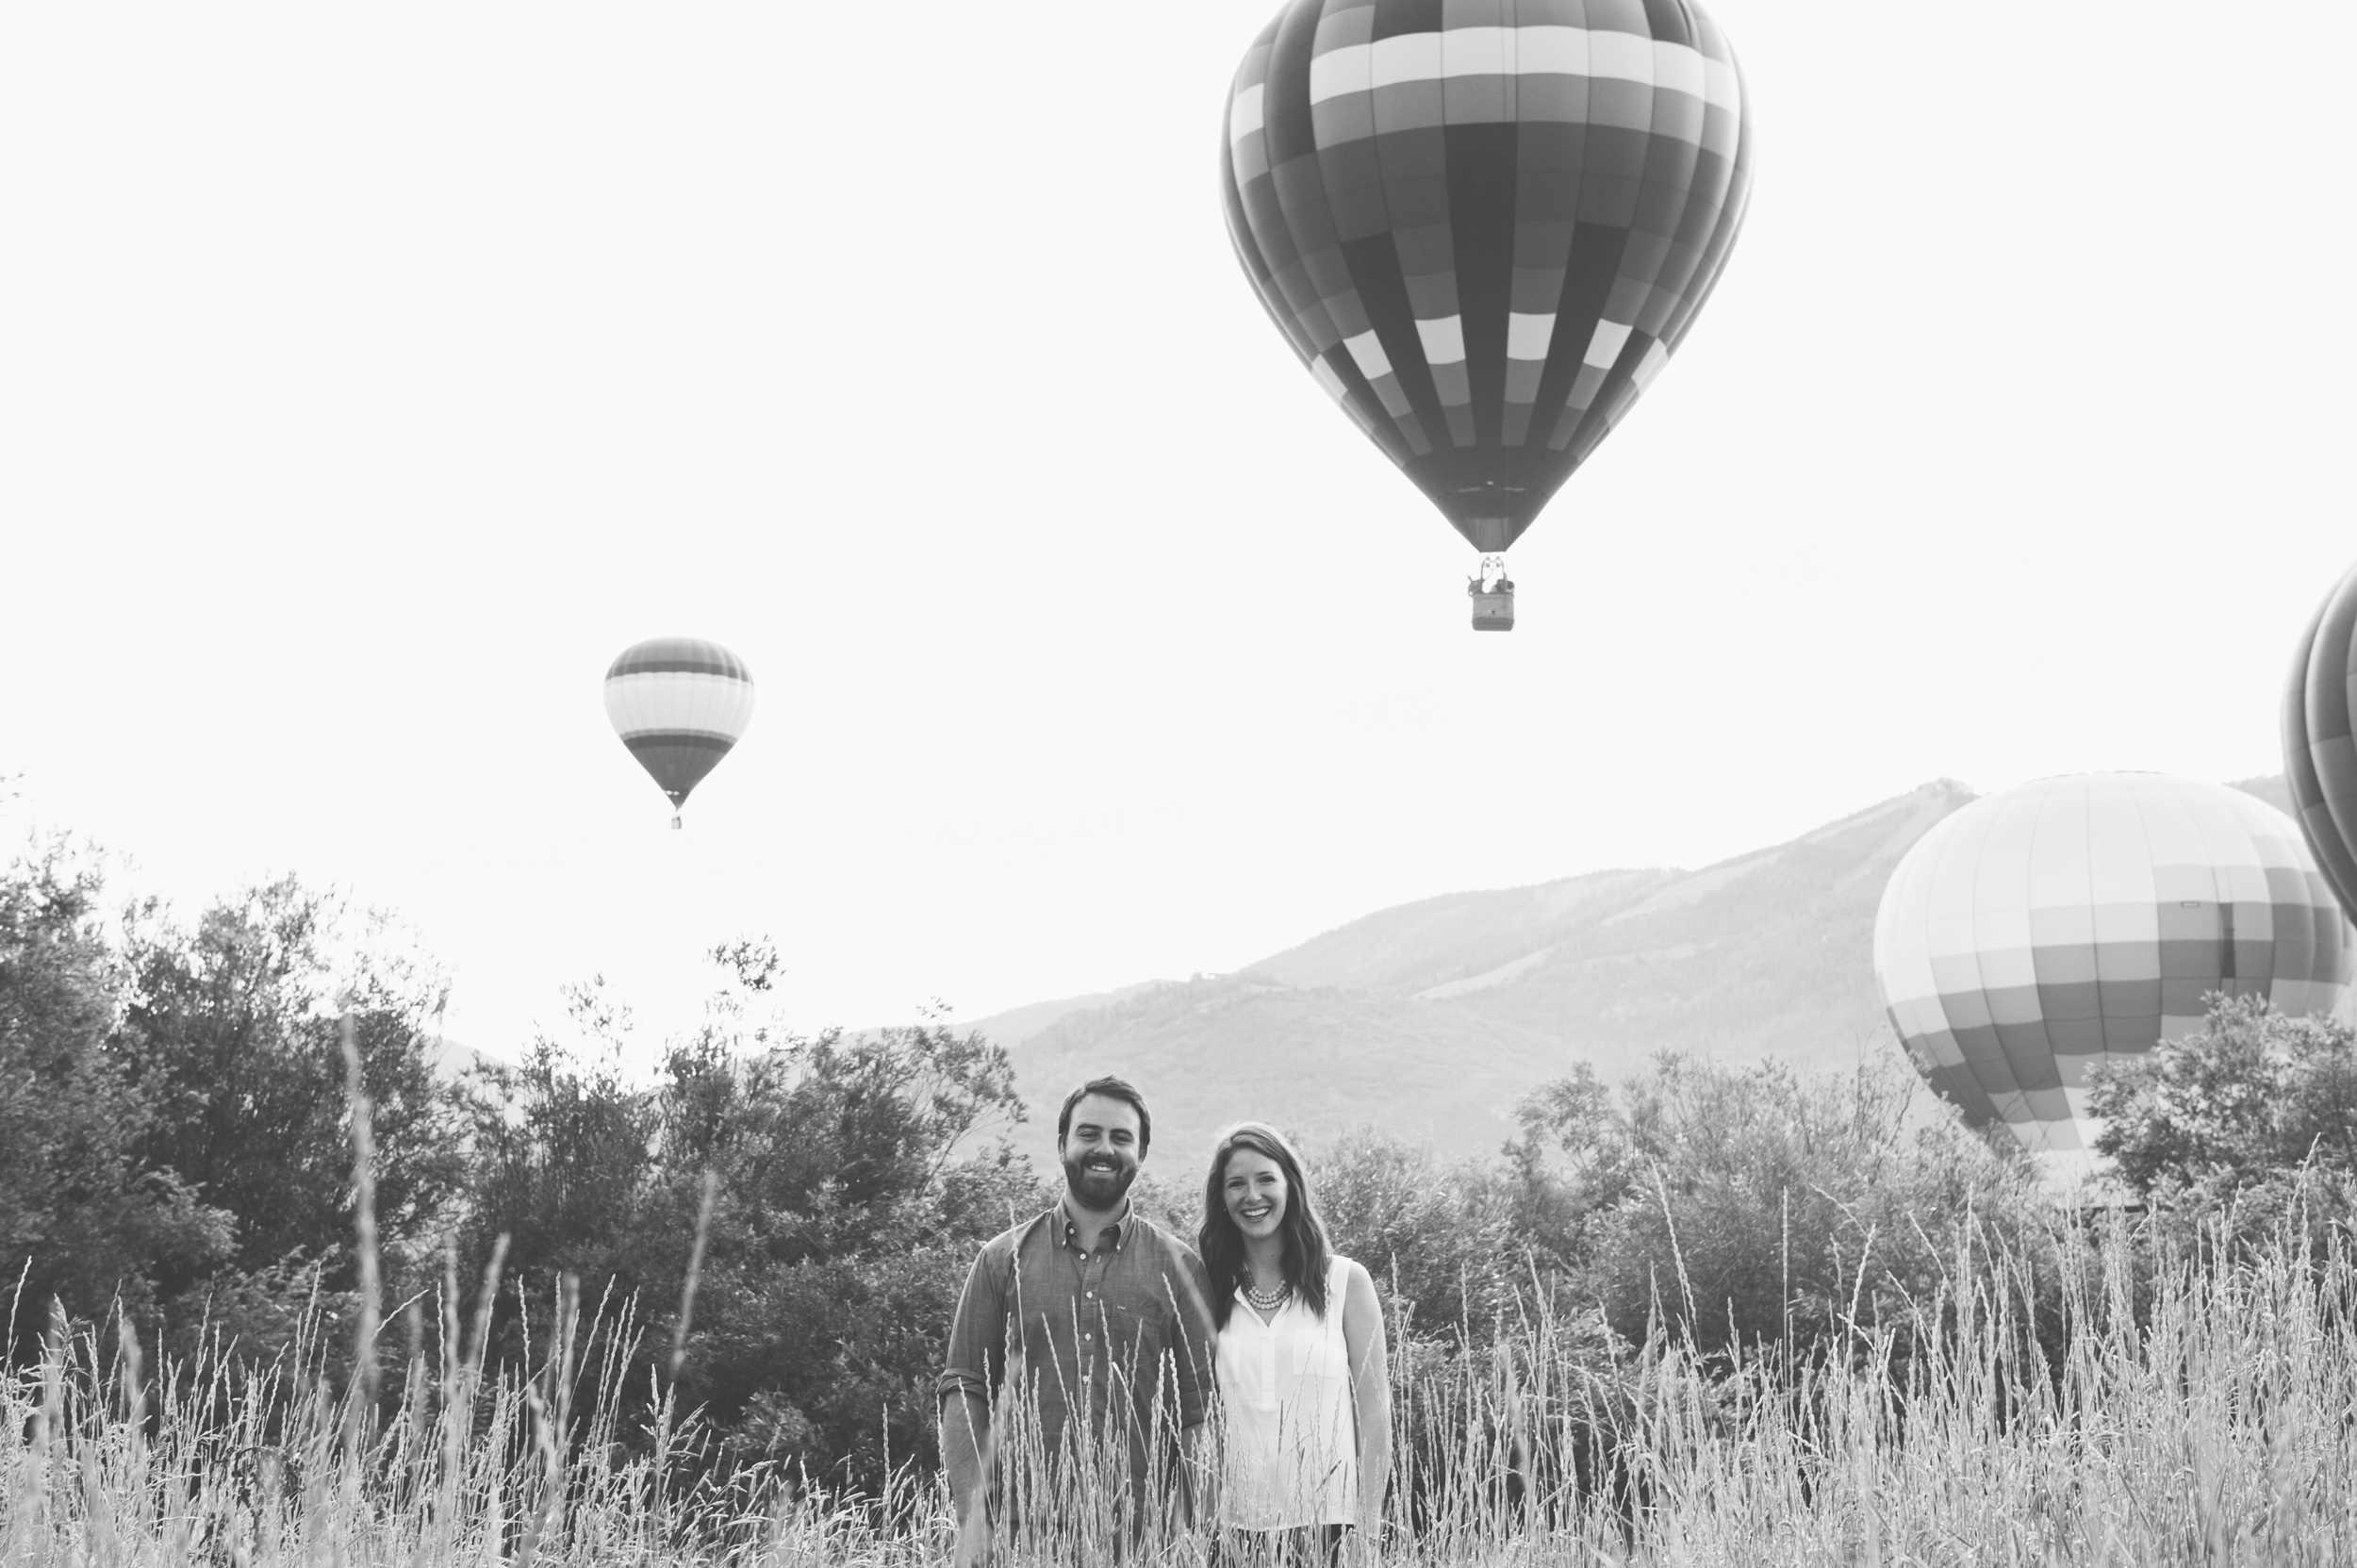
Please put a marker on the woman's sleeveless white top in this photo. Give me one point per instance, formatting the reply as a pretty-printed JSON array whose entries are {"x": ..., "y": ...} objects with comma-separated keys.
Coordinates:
[{"x": 1292, "y": 1425}]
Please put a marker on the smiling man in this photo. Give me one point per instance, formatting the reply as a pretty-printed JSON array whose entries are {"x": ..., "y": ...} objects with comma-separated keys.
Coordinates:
[{"x": 1092, "y": 1322}]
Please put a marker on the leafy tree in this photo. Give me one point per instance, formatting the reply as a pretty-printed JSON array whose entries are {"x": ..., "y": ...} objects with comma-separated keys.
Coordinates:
[
  {"x": 232, "y": 1036},
  {"x": 844, "y": 1228},
  {"x": 2250, "y": 1095},
  {"x": 1431, "y": 1234},
  {"x": 564, "y": 1150},
  {"x": 83, "y": 1220},
  {"x": 847, "y": 1204},
  {"x": 1573, "y": 1164},
  {"x": 1763, "y": 1204}
]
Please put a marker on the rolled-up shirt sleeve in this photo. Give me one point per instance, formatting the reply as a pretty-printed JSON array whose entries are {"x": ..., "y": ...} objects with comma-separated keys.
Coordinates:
[{"x": 978, "y": 1335}]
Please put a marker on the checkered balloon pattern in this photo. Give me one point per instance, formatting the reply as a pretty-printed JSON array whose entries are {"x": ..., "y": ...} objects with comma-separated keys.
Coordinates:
[
  {"x": 2320, "y": 738},
  {"x": 678, "y": 703},
  {"x": 2078, "y": 920},
  {"x": 1486, "y": 224}
]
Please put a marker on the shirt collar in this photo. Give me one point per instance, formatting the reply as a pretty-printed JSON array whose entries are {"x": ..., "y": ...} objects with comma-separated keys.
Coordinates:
[{"x": 1067, "y": 1227}]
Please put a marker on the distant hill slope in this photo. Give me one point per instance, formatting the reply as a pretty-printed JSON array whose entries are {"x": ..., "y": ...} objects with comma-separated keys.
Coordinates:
[
  {"x": 1434, "y": 1018},
  {"x": 1771, "y": 953},
  {"x": 452, "y": 1061},
  {"x": 1459, "y": 937},
  {"x": 2274, "y": 789},
  {"x": 1208, "y": 1051},
  {"x": 1018, "y": 1024}
]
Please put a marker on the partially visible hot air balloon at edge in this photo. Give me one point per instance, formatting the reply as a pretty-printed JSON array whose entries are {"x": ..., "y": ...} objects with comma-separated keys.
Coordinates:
[
  {"x": 2039, "y": 932},
  {"x": 678, "y": 703},
  {"x": 2320, "y": 738},
  {"x": 1486, "y": 227}
]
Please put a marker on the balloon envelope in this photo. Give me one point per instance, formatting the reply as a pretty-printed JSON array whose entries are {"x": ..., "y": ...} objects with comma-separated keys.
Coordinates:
[
  {"x": 678, "y": 703},
  {"x": 1485, "y": 225},
  {"x": 2320, "y": 738},
  {"x": 2079, "y": 920}
]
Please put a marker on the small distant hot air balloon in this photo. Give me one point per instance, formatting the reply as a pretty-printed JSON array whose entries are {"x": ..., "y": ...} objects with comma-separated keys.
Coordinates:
[
  {"x": 678, "y": 703},
  {"x": 2320, "y": 738},
  {"x": 1484, "y": 226},
  {"x": 2078, "y": 920}
]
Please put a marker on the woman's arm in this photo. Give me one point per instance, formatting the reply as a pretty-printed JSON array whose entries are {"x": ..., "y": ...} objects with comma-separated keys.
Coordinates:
[{"x": 1370, "y": 1390}]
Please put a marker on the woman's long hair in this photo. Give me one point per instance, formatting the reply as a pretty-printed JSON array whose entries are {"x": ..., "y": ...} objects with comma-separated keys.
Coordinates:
[{"x": 1221, "y": 1244}]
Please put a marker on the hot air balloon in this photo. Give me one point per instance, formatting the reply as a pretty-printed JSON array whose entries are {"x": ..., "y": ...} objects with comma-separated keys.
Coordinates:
[
  {"x": 678, "y": 703},
  {"x": 2078, "y": 920},
  {"x": 1485, "y": 225},
  {"x": 2320, "y": 738}
]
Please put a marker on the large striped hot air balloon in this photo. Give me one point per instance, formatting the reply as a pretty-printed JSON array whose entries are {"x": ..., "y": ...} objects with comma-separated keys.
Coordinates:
[
  {"x": 2079, "y": 920},
  {"x": 2320, "y": 738},
  {"x": 1485, "y": 225},
  {"x": 678, "y": 703}
]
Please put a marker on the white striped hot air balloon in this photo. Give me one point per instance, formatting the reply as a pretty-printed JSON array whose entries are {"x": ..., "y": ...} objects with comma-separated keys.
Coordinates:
[
  {"x": 678, "y": 703},
  {"x": 2083, "y": 919}
]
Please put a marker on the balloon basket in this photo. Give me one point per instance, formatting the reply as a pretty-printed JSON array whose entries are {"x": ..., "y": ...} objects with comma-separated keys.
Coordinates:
[
  {"x": 1493, "y": 595},
  {"x": 675, "y": 821}
]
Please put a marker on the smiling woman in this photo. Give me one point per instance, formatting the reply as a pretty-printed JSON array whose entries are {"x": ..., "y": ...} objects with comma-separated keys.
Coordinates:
[{"x": 1304, "y": 1397}]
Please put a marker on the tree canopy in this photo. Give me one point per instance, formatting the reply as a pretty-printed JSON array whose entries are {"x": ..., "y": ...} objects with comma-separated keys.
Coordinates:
[
  {"x": 2252, "y": 1094},
  {"x": 86, "y": 1218}
]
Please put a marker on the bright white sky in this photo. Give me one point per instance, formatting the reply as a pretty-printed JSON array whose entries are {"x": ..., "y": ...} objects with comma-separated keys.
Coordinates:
[{"x": 371, "y": 376}]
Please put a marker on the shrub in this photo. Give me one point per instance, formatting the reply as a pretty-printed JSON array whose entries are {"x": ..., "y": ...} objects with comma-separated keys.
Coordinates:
[
  {"x": 1430, "y": 1232},
  {"x": 2251, "y": 1095},
  {"x": 1766, "y": 1206}
]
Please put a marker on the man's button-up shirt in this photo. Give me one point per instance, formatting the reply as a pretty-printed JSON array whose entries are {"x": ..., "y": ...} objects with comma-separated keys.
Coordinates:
[{"x": 1113, "y": 1329}]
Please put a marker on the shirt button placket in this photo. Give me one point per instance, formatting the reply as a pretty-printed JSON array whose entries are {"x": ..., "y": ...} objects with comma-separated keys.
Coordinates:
[{"x": 1089, "y": 1316}]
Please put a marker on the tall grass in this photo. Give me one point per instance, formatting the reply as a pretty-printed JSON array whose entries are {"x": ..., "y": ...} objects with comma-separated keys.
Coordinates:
[
  {"x": 2207, "y": 1415},
  {"x": 2215, "y": 1422}
]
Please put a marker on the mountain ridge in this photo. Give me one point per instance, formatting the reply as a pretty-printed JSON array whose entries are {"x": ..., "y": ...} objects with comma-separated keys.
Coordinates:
[{"x": 1432, "y": 1019}]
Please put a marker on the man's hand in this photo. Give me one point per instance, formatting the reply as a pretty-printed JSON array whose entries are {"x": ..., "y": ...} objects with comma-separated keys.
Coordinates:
[
  {"x": 973, "y": 1538},
  {"x": 1199, "y": 1475},
  {"x": 965, "y": 1456}
]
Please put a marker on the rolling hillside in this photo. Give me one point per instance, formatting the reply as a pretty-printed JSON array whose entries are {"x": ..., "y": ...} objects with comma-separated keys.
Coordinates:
[{"x": 1432, "y": 1019}]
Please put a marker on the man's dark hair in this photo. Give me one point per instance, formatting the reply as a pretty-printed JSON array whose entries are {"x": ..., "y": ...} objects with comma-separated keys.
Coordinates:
[{"x": 1112, "y": 1089}]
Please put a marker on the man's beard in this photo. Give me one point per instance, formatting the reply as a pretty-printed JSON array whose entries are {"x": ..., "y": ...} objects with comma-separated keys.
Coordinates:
[{"x": 1099, "y": 1189}]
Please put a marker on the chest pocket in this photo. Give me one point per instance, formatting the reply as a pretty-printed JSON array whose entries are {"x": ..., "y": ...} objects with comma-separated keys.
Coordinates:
[{"x": 1126, "y": 1340}]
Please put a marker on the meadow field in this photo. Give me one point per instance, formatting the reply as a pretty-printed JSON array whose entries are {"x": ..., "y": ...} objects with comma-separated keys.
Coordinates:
[
  {"x": 2174, "y": 1408},
  {"x": 1711, "y": 1314}
]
